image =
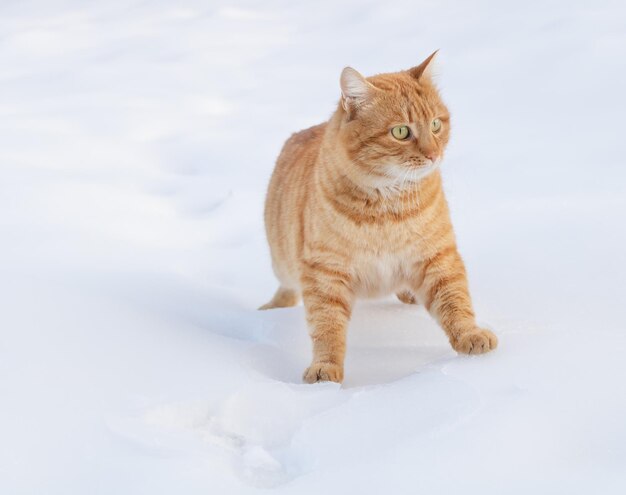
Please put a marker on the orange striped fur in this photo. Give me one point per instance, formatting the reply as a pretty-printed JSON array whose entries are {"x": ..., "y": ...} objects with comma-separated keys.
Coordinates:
[{"x": 353, "y": 212}]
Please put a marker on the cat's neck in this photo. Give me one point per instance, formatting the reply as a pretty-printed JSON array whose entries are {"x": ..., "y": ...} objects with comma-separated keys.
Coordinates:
[{"x": 353, "y": 192}]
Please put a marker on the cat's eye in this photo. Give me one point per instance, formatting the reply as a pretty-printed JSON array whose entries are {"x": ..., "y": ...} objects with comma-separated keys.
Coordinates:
[
  {"x": 435, "y": 126},
  {"x": 400, "y": 132}
]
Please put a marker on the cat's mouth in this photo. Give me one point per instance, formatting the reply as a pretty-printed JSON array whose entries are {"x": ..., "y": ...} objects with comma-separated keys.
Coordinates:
[
  {"x": 411, "y": 171},
  {"x": 421, "y": 169},
  {"x": 407, "y": 172},
  {"x": 421, "y": 163}
]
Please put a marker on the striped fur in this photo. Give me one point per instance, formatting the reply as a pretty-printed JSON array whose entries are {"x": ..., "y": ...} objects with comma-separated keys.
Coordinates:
[{"x": 352, "y": 212}]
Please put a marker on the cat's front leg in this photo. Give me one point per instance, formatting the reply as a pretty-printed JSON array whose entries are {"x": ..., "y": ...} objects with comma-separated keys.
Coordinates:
[
  {"x": 328, "y": 297},
  {"x": 443, "y": 288}
]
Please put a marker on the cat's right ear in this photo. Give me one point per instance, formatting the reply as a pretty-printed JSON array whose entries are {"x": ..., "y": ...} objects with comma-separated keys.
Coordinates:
[
  {"x": 424, "y": 69},
  {"x": 355, "y": 90}
]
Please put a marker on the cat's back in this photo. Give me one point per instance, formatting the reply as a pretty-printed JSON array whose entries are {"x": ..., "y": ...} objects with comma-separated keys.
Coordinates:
[
  {"x": 302, "y": 146},
  {"x": 293, "y": 169},
  {"x": 287, "y": 195}
]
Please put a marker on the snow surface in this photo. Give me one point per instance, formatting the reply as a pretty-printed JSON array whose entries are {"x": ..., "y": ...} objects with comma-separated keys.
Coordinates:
[{"x": 136, "y": 144}]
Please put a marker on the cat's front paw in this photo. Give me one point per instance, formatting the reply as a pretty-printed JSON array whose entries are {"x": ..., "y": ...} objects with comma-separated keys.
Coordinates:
[
  {"x": 475, "y": 341},
  {"x": 321, "y": 371}
]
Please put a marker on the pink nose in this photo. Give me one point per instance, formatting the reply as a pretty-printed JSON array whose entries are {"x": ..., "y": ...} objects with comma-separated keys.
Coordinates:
[{"x": 431, "y": 155}]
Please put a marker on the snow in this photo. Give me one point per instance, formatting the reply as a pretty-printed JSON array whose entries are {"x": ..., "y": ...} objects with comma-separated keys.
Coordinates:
[{"x": 136, "y": 142}]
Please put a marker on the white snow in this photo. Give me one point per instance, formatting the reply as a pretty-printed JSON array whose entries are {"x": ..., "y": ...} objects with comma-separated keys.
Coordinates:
[{"x": 136, "y": 142}]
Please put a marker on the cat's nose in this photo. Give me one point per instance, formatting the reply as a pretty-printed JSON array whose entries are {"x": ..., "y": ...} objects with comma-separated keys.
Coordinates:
[{"x": 431, "y": 155}]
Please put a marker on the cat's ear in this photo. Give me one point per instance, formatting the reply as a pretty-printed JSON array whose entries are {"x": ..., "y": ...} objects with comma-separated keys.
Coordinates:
[
  {"x": 355, "y": 89},
  {"x": 424, "y": 69}
]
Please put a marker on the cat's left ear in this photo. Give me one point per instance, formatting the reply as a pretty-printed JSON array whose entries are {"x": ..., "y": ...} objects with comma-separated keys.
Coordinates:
[
  {"x": 355, "y": 89},
  {"x": 424, "y": 69}
]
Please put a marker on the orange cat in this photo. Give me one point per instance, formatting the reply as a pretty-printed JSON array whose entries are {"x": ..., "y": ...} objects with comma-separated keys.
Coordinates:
[{"x": 355, "y": 208}]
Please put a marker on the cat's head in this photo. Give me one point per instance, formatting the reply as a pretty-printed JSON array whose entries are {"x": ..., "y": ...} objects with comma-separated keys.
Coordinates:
[{"x": 394, "y": 126}]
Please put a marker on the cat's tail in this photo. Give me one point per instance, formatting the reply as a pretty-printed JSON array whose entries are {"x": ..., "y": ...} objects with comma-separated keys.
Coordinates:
[{"x": 284, "y": 298}]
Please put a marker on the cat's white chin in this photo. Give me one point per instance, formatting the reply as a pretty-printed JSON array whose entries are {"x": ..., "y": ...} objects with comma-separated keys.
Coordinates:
[
  {"x": 425, "y": 170},
  {"x": 399, "y": 177},
  {"x": 411, "y": 173}
]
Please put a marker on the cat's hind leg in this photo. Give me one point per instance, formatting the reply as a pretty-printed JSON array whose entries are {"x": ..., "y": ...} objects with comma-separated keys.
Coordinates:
[
  {"x": 407, "y": 297},
  {"x": 284, "y": 298}
]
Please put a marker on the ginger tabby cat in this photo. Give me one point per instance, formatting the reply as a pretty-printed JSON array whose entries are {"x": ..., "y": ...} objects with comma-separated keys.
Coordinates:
[{"x": 355, "y": 208}]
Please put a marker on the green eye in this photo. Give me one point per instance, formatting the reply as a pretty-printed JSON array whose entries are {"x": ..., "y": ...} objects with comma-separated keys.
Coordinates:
[
  {"x": 435, "y": 126},
  {"x": 400, "y": 132}
]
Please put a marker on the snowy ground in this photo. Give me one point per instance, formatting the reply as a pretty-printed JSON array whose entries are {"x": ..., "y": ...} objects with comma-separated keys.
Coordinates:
[{"x": 136, "y": 142}]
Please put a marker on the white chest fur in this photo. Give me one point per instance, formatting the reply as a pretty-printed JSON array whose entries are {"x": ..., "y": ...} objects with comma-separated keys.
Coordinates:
[{"x": 376, "y": 276}]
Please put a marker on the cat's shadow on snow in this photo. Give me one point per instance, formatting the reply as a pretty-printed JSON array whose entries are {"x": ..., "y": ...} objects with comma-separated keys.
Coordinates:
[{"x": 387, "y": 340}]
